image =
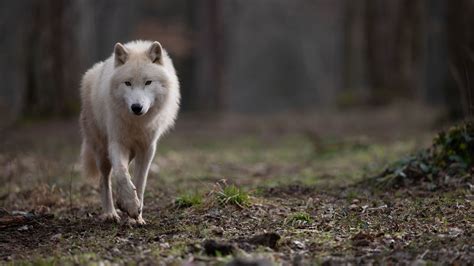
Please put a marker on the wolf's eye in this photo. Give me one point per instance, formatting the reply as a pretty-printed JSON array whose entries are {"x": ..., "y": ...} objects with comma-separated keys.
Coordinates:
[
  {"x": 128, "y": 84},
  {"x": 148, "y": 82}
]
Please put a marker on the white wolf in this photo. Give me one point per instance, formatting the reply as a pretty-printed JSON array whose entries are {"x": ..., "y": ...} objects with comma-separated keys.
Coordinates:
[{"x": 128, "y": 102}]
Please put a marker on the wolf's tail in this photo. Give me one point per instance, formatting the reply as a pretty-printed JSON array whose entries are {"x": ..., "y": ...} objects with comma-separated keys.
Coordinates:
[{"x": 88, "y": 163}]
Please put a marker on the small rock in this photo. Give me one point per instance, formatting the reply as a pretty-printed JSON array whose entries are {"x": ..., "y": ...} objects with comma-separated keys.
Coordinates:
[
  {"x": 122, "y": 239},
  {"x": 23, "y": 228},
  {"x": 362, "y": 239},
  {"x": 299, "y": 244},
  {"x": 249, "y": 262},
  {"x": 213, "y": 248},
  {"x": 454, "y": 231},
  {"x": 217, "y": 230},
  {"x": 353, "y": 207},
  {"x": 42, "y": 210},
  {"x": 268, "y": 239},
  {"x": 165, "y": 245},
  {"x": 355, "y": 201},
  {"x": 116, "y": 251},
  {"x": 471, "y": 186},
  {"x": 390, "y": 242},
  {"x": 194, "y": 248},
  {"x": 56, "y": 237}
]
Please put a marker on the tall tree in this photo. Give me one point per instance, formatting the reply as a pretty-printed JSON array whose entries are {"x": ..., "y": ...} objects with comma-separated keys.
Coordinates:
[
  {"x": 460, "y": 19},
  {"x": 393, "y": 47}
]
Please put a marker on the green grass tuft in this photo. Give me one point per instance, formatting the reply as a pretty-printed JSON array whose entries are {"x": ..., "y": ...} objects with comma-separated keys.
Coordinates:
[
  {"x": 187, "y": 200},
  {"x": 232, "y": 195},
  {"x": 299, "y": 218}
]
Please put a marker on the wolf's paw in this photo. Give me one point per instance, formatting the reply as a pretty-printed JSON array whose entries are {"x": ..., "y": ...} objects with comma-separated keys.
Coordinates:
[
  {"x": 127, "y": 200},
  {"x": 140, "y": 220},
  {"x": 130, "y": 206},
  {"x": 110, "y": 217},
  {"x": 134, "y": 222}
]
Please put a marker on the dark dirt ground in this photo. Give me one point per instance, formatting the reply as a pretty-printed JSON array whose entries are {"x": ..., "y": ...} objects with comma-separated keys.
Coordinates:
[{"x": 304, "y": 175}]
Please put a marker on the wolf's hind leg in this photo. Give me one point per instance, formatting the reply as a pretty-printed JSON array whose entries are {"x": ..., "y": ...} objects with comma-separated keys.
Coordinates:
[
  {"x": 109, "y": 212},
  {"x": 88, "y": 161}
]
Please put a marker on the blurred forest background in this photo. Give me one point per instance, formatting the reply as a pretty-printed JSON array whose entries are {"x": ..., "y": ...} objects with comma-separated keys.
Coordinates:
[
  {"x": 310, "y": 133},
  {"x": 243, "y": 56}
]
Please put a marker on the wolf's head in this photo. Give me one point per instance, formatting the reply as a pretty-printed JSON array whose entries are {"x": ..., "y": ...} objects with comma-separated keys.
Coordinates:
[{"x": 140, "y": 82}]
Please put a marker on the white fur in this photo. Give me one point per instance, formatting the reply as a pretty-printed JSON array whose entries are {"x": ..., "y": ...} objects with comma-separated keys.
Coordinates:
[{"x": 112, "y": 134}]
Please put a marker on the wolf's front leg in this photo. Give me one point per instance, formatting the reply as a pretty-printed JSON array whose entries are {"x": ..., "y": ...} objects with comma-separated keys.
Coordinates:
[
  {"x": 127, "y": 199},
  {"x": 143, "y": 162},
  {"x": 110, "y": 214}
]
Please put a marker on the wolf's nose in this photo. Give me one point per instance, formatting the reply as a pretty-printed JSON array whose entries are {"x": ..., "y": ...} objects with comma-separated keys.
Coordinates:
[{"x": 137, "y": 108}]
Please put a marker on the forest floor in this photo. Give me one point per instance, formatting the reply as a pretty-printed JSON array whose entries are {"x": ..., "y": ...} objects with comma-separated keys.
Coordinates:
[{"x": 267, "y": 190}]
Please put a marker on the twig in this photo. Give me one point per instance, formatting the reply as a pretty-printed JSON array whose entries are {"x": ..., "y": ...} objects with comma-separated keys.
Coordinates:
[{"x": 420, "y": 257}]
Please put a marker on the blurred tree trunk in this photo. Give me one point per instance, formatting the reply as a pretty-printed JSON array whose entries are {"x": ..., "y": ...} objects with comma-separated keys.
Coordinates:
[
  {"x": 460, "y": 22},
  {"x": 435, "y": 56},
  {"x": 209, "y": 61},
  {"x": 408, "y": 48},
  {"x": 44, "y": 92},
  {"x": 12, "y": 58},
  {"x": 355, "y": 52},
  {"x": 393, "y": 44},
  {"x": 380, "y": 28},
  {"x": 65, "y": 38}
]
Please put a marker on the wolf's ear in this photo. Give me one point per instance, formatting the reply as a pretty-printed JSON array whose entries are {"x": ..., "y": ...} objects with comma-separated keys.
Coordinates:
[
  {"x": 120, "y": 54},
  {"x": 155, "y": 53}
]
